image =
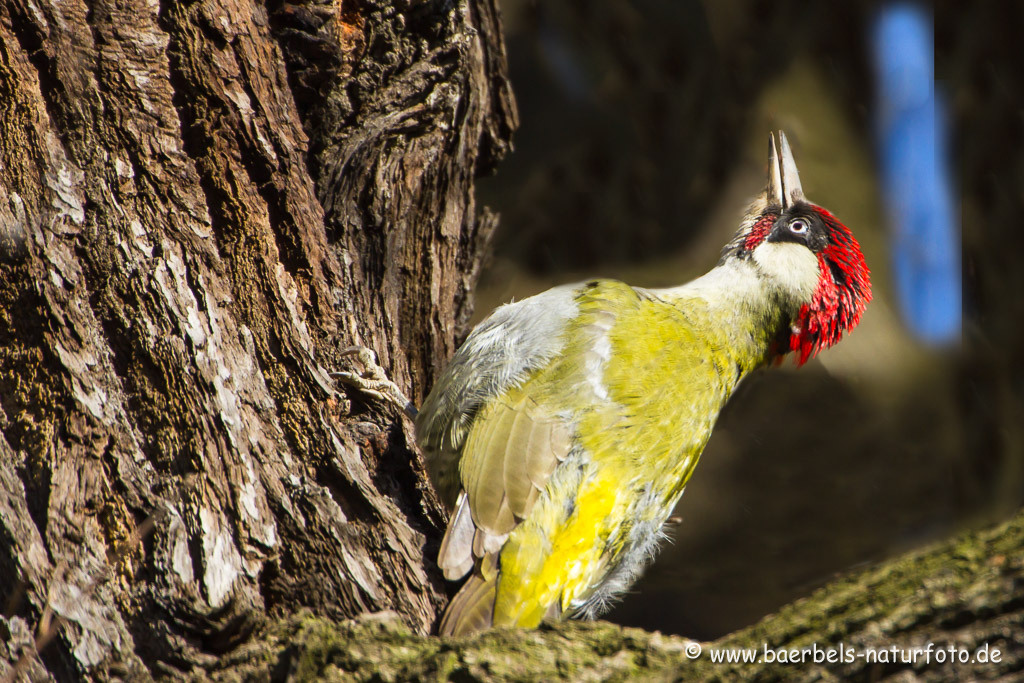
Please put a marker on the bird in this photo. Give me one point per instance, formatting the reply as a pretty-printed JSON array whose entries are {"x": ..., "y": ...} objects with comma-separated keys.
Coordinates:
[{"x": 563, "y": 431}]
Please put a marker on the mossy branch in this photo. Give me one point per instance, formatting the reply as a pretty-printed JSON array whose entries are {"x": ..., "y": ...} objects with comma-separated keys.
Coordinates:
[{"x": 968, "y": 593}]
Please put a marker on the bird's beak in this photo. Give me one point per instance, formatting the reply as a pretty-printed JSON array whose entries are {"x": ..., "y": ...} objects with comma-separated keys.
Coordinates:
[{"x": 783, "y": 179}]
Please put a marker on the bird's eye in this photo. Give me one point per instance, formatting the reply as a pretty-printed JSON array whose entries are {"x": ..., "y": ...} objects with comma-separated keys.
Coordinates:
[{"x": 798, "y": 226}]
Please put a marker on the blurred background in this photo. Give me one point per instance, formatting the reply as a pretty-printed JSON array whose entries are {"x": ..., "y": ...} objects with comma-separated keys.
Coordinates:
[{"x": 644, "y": 134}]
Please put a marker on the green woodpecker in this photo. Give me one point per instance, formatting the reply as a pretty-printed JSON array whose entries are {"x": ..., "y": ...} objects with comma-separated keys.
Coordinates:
[{"x": 565, "y": 428}]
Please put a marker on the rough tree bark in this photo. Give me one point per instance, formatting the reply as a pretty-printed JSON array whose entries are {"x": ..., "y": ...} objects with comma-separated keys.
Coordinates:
[{"x": 203, "y": 204}]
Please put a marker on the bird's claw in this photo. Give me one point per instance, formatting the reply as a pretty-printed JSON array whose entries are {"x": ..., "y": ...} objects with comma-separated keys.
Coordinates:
[{"x": 373, "y": 381}]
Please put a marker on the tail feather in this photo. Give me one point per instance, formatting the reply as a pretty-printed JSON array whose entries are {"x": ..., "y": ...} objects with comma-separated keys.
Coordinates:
[
  {"x": 456, "y": 555},
  {"x": 472, "y": 608}
]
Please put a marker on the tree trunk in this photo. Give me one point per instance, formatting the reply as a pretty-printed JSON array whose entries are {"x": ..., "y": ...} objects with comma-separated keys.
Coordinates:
[{"x": 202, "y": 204}]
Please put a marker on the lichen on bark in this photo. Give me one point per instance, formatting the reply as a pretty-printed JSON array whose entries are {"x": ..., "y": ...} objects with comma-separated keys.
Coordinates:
[{"x": 189, "y": 243}]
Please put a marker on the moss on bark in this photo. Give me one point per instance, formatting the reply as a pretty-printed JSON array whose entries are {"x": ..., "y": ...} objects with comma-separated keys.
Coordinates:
[{"x": 967, "y": 593}]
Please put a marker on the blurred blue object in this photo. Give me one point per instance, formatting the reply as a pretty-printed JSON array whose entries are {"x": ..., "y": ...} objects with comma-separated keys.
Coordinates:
[{"x": 913, "y": 142}]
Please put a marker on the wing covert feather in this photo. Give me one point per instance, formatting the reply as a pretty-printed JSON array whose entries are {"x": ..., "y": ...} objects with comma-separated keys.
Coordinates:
[
  {"x": 501, "y": 353},
  {"x": 515, "y": 447}
]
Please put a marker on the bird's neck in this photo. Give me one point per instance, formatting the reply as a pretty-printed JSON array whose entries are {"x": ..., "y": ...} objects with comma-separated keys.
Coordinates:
[{"x": 743, "y": 310}]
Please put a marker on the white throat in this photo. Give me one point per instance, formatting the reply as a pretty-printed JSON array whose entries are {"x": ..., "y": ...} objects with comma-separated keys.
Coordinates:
[{"x": 791, "y": 267}]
